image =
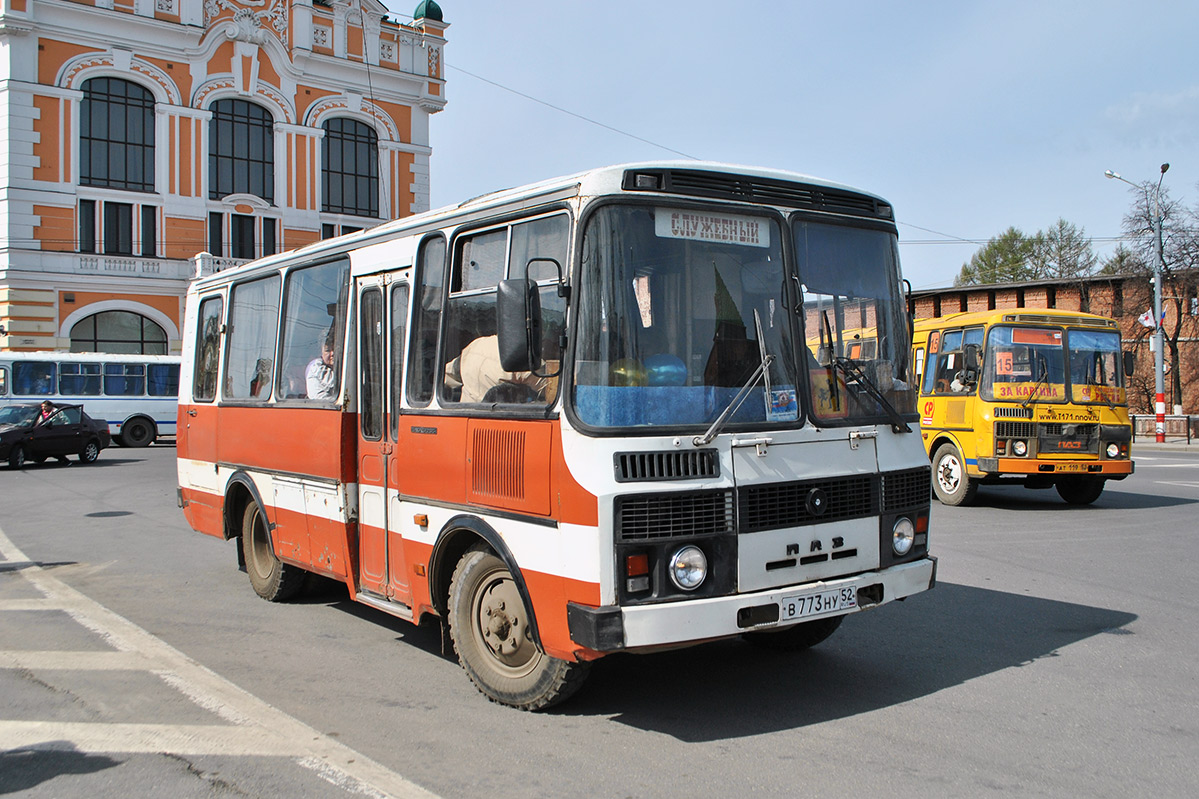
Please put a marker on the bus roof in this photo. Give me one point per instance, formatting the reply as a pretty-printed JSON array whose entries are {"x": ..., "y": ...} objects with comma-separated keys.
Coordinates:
[
  {"x": 603, "y": 180},
  {"x": 1027, "y": 316},
  {"x": 85, "y": 357}
]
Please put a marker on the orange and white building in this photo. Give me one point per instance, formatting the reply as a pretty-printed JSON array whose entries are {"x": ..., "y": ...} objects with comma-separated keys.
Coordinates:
[{"x": 146, "y": 142}]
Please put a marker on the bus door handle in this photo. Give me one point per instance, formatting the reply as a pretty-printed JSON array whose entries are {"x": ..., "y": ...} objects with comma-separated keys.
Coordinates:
[{"x": 191, "y": 411}]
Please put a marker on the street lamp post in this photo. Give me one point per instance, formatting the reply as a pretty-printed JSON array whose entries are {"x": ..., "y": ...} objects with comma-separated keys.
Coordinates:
[{"x": 1159, "y": 379}]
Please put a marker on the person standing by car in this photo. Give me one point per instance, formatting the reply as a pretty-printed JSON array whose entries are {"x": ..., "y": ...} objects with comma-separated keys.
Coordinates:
[{"x": 46, "y": 414}]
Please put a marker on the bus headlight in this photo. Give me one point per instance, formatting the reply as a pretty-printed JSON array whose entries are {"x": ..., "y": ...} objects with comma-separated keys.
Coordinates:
[
  {"x": 1019, "y": 448},
  {"x": 1113, "y": 450},
  {"x": 688, "y": 568},
  {"x": 902, "y": 536}
]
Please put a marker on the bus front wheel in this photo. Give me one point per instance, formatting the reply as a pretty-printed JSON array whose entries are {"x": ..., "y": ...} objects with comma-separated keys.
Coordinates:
[
  {"x": 489, "y": 625},
  {"x": 950, "y": 481},
  {"x": 273, "y": 580},
  {"x": 1079, "y": 490}
]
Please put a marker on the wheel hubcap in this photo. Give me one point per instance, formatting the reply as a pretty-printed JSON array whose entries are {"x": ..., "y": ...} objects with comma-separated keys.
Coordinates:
[
  {"x": 949, "y": 475},
  {"x": 501, "y": 626}
]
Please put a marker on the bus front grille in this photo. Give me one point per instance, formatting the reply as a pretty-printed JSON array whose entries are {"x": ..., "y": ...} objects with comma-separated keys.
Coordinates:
[
  {"x": 779, "y": 505},
  {"x": 632, "y": 467},
  {"x": 906, "y": 489},
  {"x": 645, "y": 517}
]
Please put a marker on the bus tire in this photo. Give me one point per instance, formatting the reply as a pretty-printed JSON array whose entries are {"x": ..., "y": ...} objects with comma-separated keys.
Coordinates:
[
  {"x": 1079, "y": 490},
  {"x": 489, "y": 626},
  {"x": 796, "y": 638},
  {"x": 272, "y": 579},
  {"x": 137, "y": 433},
  {"x": 90, "y": 452},
  {"x": 16, "y": 457},
  {"x": 950, "y": 481}
]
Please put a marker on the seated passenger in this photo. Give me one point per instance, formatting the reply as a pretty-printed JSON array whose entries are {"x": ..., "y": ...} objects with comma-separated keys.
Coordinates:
[
  {"x": 319, "y": 377},
  {"x": 477, "y": 371}
]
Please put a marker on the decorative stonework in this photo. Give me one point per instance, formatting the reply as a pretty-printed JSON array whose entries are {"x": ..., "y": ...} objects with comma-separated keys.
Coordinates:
[
  {"x": 387, "y": 51},
  {"x": 329, "y": 105},
  {"x": 251, "y": 25},
  {"x": 321, "y": 36},
  {"x": 229, "y": 86},
  {"x": 434, "y": 62},
  {"x": 166, "y": 6},
  {"x": 70, "y": 78}
]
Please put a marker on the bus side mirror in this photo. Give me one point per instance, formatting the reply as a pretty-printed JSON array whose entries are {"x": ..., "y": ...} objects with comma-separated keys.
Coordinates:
[
  {"x": 518, "y": 325},
  {"x": 971, "y": 355},
  {"x": 1130, "y": 362}
]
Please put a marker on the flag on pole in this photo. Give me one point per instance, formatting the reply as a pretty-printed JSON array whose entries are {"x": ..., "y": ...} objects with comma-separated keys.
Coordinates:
[{"x": 1147, "y": 319}]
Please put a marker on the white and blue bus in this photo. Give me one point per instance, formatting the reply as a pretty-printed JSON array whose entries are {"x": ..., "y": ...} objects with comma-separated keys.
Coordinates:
[{"x": 137, "y": 395}]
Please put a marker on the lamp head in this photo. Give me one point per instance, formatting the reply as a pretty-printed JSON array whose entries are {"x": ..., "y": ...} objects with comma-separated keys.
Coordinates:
[
  {"x": 1164, "y": 168},
  {"x": 1110, "y": 174}
]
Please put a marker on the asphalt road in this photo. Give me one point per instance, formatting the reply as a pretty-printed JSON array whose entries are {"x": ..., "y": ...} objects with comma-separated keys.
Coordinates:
[{"x": 1056, "y": 657}]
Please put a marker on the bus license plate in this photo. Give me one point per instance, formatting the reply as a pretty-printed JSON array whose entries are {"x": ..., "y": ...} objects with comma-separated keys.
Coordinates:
[
  {"x": 1070, "y": 467},
  {"x": 797, "y": 607}
]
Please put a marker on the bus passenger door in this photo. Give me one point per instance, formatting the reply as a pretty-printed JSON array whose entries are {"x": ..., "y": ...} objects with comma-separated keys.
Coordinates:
[{"x": 373, "y": 447}]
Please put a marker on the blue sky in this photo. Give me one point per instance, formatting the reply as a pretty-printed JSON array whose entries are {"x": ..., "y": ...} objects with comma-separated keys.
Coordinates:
[{"x": 968, "y": 117}]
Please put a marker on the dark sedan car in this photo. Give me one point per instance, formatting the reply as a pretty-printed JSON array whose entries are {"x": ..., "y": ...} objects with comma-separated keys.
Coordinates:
[{"x": 26, "y": 436}]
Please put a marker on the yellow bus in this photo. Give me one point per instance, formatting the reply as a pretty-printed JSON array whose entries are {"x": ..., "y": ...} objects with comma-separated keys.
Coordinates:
[{"x": 1023, "y": 395}]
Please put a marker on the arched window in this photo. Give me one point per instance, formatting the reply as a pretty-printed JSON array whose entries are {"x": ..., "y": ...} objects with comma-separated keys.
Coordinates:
[
  {"x": 350, "y": 177},
  {"x": 116, "y": 135},
  {"x": 118, "y": 331},
  {"x": 241, "y": 150}
]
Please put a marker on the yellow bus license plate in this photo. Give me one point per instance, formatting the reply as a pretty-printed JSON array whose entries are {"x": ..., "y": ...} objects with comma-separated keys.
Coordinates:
[{"x": 814, "y": 604}]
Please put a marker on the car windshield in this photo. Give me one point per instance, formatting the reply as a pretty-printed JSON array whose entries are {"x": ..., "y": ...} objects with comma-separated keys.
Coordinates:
[
  {"x": 1024, "y": 364},
  {"x": 854, "y": 323},
  {"x": 18, "y": 414},
  {"x": 1096, "y": 366},
  {"x": 678, "y": 309}
]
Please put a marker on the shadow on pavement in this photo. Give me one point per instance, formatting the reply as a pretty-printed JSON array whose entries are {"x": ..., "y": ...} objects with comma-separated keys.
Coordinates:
[
  {"x": 22, "y": 769},
  {"x": 877, "y": 659}
]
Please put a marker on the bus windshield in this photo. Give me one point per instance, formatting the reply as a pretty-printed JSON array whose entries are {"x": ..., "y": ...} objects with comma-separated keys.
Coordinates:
[
  {"x": 855, "y": 329},
  {"x": 678, "y": 309},
  {"x": 1096, "y": 366},
  {"x": 1024, "y": 364}
]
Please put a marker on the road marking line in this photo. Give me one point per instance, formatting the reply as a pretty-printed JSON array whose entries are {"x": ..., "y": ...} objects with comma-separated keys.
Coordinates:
[{"x": 267, "y": 731}]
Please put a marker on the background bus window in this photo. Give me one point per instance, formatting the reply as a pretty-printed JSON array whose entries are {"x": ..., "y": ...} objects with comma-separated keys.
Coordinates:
[
  {"x": 208, "y": 346},
  {"x": 82, "y": 379},
  {"x": 315, "y": 308},
  {"x": 124, "y": 379},
  {"x": 250, "y": 349},
  {"x": 162, "y": 379},
  {"x": 34, "y": 378}
]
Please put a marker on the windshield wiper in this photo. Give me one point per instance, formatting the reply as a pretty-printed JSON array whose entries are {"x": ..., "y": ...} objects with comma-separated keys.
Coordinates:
[
  {"x": 1044, "y": 378},
  {"x": 718, "y": 425},
  {"x": 852, "y": 371}
]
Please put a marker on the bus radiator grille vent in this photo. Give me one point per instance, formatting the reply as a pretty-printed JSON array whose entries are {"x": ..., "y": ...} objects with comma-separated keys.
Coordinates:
[
  {"x": 781, "y": 505},
  {"x": 1014, "y": 429},
  {"x": 1013, "y": 413},
  {"x": 1057, "y": 429},
  {"x": 497, "y": 463},
  {"x": 911, "y": 488},
  {"x": 645, "y": 517},
  {"x": 754, "y": 189},
  {"x": 634, "y": 467}
]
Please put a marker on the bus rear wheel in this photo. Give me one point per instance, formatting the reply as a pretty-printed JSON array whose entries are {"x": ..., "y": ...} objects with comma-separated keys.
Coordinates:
[
  {"x": 1079, "y": 490},
  {"x": 797, "y": 638},
  {"x": 137, "y": 433},
  {"x": 489, "y": 625},
  {"x": 272, "y": 579},
  {"x": 950, "y": 481}
]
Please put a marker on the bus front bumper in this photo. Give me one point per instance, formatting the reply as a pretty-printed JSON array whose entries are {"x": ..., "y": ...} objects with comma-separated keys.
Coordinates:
[
  {"x": 1024, "y": 466},
  {"x": 612, "y": 628}
]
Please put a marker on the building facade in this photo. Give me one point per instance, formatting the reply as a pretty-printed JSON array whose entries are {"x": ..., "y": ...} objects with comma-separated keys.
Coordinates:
[
  {"x": 1126, "y": 298},
  {"x": 137, "y": 134}
]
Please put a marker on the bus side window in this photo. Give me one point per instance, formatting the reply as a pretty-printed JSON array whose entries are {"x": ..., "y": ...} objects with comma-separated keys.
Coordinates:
[
  {"x": 3, "y": 382},
  {"x": 208, "y": 343},
  {"x": 250, "y": 341},
  {"x": 314, "y": 312},
  {"x": 426, "y": 320},
  {"x": 35, "y": 378}
]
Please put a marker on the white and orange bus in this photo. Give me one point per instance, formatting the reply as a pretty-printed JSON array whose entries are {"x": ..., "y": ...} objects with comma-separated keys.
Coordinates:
[{"x": 572, "y": 419}]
